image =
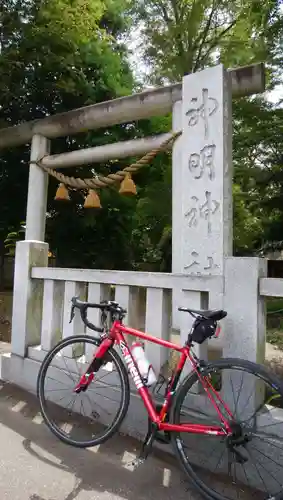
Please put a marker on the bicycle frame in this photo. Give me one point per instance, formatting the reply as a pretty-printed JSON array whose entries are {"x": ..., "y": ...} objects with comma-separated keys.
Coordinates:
[{"x": 116, "y": 335}]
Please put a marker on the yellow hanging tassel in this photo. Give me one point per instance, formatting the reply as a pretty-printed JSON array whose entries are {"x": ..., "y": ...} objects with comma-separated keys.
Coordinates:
[
  {"x": 128, "y": 186},
  {"x": 92, "y": 200},
  {"x": 62, "y": 193}
]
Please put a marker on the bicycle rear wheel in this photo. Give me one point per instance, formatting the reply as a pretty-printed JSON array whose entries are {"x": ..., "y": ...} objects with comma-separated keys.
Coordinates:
[
  {"x": 91, "y": 417},
  {"x": 248, "y": 464}
]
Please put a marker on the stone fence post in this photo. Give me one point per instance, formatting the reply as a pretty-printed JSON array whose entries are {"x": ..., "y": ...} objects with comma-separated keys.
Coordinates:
[
  {"x": 28, "y": 294},
  {"x": 245, "y": 324}
]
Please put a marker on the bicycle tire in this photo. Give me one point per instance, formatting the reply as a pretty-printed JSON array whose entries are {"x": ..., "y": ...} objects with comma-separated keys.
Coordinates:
[
  {"x": 182, "y": 391},
  {"x": 125, "y": 399}
]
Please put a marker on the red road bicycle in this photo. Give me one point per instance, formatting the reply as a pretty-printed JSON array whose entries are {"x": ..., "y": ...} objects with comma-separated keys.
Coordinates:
[{"x": 213, "y": 439}]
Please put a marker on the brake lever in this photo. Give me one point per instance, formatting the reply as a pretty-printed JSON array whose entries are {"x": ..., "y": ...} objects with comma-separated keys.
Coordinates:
[
  {"x": 72, "y": 315},
  {"x": 74, "y": 299},
  {"x": 103, "y": 317}
]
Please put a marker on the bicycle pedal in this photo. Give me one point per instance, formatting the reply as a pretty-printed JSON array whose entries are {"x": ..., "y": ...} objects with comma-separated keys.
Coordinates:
[{"x": 135, "y": 464}]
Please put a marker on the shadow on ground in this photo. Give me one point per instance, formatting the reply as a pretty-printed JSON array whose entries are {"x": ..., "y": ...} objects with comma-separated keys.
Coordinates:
[{"x": 66, "y": 473}]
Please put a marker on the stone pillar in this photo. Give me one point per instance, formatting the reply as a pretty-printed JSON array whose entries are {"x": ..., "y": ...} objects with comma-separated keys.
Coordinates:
[
  {"x": 28, "y": 295},
  {"x": 37, "y": 191},
  {"x": 202, "y": 182},
  {"x": 206, "y": 218}
]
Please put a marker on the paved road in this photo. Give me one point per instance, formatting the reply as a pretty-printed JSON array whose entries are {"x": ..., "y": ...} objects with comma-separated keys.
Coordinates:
[{"x": 34, "y": 465}]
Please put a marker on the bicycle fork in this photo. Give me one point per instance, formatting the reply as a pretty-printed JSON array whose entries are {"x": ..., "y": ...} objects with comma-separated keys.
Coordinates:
[{"x": 96, "y": 363}]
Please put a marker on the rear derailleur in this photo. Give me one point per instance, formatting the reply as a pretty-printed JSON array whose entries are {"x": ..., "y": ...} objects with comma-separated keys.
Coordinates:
[{"x": 237, "y": 439}]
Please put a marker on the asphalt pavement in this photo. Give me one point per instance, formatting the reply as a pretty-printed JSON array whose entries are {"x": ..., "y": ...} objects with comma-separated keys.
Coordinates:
[{"x": 34, "y": 465}]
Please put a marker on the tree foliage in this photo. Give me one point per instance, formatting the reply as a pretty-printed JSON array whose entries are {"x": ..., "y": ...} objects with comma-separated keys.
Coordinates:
[
  {"x": 56, "y": 56},
  {"x": 184, "y": 36},
  {"x": 258, "y": 164}
]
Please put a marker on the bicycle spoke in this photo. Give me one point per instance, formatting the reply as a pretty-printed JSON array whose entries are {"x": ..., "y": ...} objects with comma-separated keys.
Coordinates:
[
  {"x": 109, "y": 396},
  {"x": 263, "y": 438},
  {"x": 262, "y": 480},
  {"x": 269, "y": 473},
  {"x": 242, "y": 380},
  {"x": 54, "y": 380},
  {"x": 244, "y": 470},
  {"x": 68, "y": 369},
  {"x": 61, "y": 399},
  {"x": 93, "y": 409},
  {"x": 266, "y": 456},
  {"x": 270, "y": 425},
  {"x": 251, "y": 393},
  {"x": 258, "y": 472},
  {"x": 233, "y": 395},
  {"x": 203, "y": 452},
  {"x": 56, "y": 390},
  {"x": 104, "y": 397},
  {"x": 100, "y": 406},
  {"x": 220, "y": 458},
  {"x": 103, "y": 376},
  {"x": 259, "y": 408}
]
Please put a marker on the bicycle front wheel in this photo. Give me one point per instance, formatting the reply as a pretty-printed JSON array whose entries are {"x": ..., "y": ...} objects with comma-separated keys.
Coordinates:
[
  {"x": 248, "y": 463},
  {"x": 91, "y": 417}
]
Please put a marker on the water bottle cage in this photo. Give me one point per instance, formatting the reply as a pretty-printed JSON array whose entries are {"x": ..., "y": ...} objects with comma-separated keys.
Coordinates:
[
  {"x": 162, "y": 385},
  {"x": 145, "y": 378},
  {"x": 144, "y": 367}
]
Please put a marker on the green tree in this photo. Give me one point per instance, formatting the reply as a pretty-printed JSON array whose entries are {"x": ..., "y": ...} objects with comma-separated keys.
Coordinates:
[
  {"x": 183, "y": 36},
  {"x": 258, "y": 163},
  {"x": 57, "y": 56}
]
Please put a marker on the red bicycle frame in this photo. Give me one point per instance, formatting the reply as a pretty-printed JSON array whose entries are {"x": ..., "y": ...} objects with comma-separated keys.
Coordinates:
[{"x": 116, "y": 335}]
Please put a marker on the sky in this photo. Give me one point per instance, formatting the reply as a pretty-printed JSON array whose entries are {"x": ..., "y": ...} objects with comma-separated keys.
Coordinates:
[{"x": 276, "y": 94}]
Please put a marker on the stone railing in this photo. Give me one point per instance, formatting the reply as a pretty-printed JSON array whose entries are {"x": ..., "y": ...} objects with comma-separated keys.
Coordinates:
[
  {"x": 41, "y": 304},
  {"x": 146, "y": 296}
]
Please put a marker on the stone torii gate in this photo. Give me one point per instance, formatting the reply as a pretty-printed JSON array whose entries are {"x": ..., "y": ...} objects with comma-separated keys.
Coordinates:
[{"x": 202, "y": 197}]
